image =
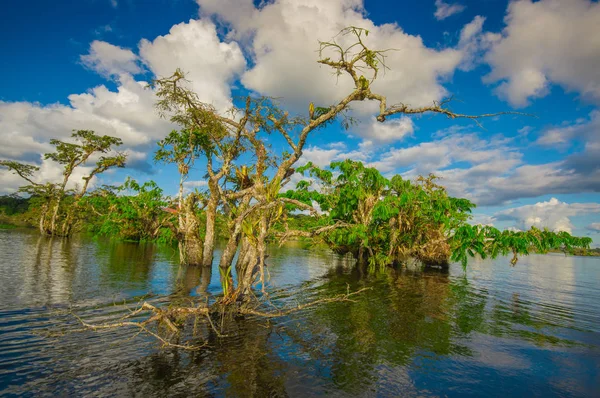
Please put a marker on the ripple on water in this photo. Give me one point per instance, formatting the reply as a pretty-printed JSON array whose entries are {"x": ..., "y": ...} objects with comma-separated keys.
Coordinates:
[{"x": 498, "y": 331}]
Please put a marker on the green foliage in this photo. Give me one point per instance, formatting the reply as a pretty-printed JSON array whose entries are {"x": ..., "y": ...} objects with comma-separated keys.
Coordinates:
[
  {"x": 132, "y": 211},
  {"x": 12, "y": 204},
  {"x": 25, "y": 171},
  {"x": 181, "y": 147},
  {"x": 486, "y": 241},
  {"x": 386, "y": 221},
  {"x": 86, "y": 143}
]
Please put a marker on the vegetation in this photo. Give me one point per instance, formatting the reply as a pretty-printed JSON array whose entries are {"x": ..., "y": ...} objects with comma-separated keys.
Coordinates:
[
  {"x": 378, "y": 221},
  {"x": 57, "y": 214}
]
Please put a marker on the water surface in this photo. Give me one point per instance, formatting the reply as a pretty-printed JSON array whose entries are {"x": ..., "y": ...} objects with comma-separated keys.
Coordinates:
[{"x": 531, "y": 330}]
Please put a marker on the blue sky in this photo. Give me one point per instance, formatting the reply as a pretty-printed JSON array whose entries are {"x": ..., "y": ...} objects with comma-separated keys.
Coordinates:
[{"x": 71, "y": 65}]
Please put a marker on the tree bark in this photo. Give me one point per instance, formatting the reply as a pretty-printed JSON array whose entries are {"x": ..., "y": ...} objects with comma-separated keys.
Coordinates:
[
  {"x": 190, "y": 243},
  {"x": 42, "y": 224},
  {"x": 211, "y": 216},
  {"x": 60, "y": 194}
]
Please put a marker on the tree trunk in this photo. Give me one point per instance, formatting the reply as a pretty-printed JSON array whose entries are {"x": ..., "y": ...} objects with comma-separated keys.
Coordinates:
[
  {"x": 230, "y": 250},
  {"x": 60, "y": 194},
  {"x": 234, "y": 239},
  {"x": 246, "y": 267},
  {"x": 209, "y": 237},
  {"x": 190, "y": 243},
  {"x": 55, "y": 214},
  {"x": 42, "y": 224}
]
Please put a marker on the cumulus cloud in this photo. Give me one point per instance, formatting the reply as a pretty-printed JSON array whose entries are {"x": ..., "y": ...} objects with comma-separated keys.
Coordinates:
[
  {"x": 127, "y": 112},
  {"x": 569, "y": 136},
  {"x": 390, "y": 131},
  {"x": 49, "y": 171},
  {"x": 323, "y": 156},
  {"x": 191, "y": 185},
  {"x": 109, "y": 60},
  {"x": 483, "y": 219},
  {"x": 450, "y": 149},
  {"x": 473, "y": 43},
  {"x": 553, "y": 214},
  {"x": 444, "y": 10},
  {"x": 282, "y": 39},
  {"x": 594, "y": 227},
  {"x": 490, "y": 171},
  {"x": 546, "y": 42},
  {"x": 211, "y": 65}
]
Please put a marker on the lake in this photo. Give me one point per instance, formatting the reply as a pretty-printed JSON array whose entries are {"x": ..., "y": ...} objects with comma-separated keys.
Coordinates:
[{"x": 496, "y": 331}]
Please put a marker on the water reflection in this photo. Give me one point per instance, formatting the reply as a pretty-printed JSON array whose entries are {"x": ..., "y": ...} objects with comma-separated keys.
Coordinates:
[
  {"x": 193, "y": 281},
  {"x": 126, "y": 263},
  {"x": 49, "y": 268},
  {"x": 528, "y": 330}
]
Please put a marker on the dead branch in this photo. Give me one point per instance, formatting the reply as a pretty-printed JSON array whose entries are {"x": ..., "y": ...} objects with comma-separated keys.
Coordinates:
[
  {"x": 163, "y": 316},
  {"x": 159, "y": 316},
  {"x": 300, "y": 307}
]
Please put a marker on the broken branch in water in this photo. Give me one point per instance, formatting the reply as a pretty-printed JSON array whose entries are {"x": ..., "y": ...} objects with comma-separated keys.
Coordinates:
[{"x": 166, "y": 317}]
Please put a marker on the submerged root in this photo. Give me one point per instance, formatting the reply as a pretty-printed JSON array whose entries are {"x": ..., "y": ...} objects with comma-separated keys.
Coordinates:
[
  {"x": 159, "y": 317},
  {"x": 174, "y": 318}
]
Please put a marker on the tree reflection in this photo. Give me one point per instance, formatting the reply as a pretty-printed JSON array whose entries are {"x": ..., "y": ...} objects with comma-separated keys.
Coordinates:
[
  {"x": 126, "y": 262},
  {"x": 193, "y": 281}
]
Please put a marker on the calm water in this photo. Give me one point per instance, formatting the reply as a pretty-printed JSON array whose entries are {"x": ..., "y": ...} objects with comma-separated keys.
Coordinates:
[{"x": 532, "y": 330}]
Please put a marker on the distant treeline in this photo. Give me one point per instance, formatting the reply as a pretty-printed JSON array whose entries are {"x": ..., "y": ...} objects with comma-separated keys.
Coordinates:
[{"x": 10, "y": 205}]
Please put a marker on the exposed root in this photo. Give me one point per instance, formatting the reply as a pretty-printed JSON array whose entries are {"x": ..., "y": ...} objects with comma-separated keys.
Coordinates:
[
  {"x": 172, "y": 317},
  {"x": 159, "y": 316}
]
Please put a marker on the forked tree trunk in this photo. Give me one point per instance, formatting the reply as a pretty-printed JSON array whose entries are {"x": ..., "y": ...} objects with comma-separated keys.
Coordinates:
[
  {"x": 52, "y": 230},
  {"x": 59, "y": 197}
]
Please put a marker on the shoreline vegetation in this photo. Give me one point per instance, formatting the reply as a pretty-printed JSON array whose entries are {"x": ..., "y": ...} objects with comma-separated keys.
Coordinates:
[
  {"x": 11, "y": 220},
  {"x": 256, "y": 195}
]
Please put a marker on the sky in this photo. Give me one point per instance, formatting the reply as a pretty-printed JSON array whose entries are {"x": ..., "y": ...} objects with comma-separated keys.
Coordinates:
[{"x": 85, "y": 65}]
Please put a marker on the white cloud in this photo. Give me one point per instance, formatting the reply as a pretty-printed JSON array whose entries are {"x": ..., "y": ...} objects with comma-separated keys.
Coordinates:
[
  {"x": 473, "y": 43},
  {"x": 553, "y": 214},
  {"x": 282, "y": 38},
  {"x": 128, "y": 112},
  {"x": 482, "y": 219},
  {"x": 456, "y": 147},
  {"x": 17, "y": 146},
  {"x": 444, "y": 10},
  {"x": 189, "y": 186},
  {"x": 586, "y": 131},
  {"x": 336, "y": 151},
  {"x": 109, "y": 60},
  {"x": 595, "y": 227},
  {"x": 211, "y": 65},
  {"x": 492, "y": 172},
  {"x": 546, "y": 42},
  {"x": 195, "y": 183},
  {"x": 390, "y": 131},
  {"x": 49, "y": 171}
]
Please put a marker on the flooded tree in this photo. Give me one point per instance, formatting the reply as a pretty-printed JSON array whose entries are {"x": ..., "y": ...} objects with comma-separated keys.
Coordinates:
[
  {"x": 182, "y": 148},
  {"x": 254, "y": 203},
  {"x": 379, "y": 221},
  {"x": 70, "y": 155}
]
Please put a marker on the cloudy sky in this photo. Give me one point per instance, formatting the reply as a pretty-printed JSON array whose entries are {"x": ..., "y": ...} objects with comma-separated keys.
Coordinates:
[{"x": 85, "y": 65}]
